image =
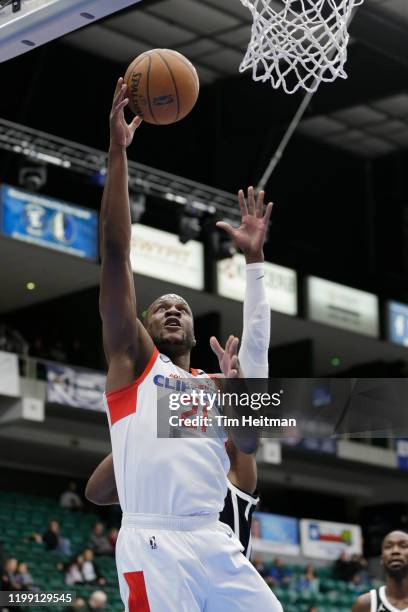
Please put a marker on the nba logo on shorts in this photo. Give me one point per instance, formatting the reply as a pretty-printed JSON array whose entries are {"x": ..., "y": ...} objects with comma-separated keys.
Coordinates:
[{"x": 153, "y": 544}]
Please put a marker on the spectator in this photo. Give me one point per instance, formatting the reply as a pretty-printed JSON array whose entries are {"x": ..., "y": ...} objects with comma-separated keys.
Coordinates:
[
  {"x": 342, "y": 568},
  {"x": 18, "y": 344},
  {"x": 278, "y": 575},
  {"x": 112, "y": 537},
  {"x": 97, "y": 600},
  {"x": 73, "y": 574},
  {"x": 3, "y": 337},
  {"x": 12, "y": 341},
  {"x": 53, "y": 539},
  {"x": 70, "y": 498},
  {"x": 312, "y": 609},
  {"x": 308, "y": 582},
  {"x": 256, "y": 528},
  {"x": 79, "y": 604},
  {"x": 356, "y": 584},
  {"x": 259, "y": 566},
  {"x": 99, "y": 542},
  {"x": 90, "y": 571},
  {"x": 58, "y": 353},
  {"x": 76, "y": 353},
  {"x": 359, "y": 565},
  {"x": 25, "y": 579},
  {"x": 38, "y": 348},
  {"x": 9, "y": 576}
]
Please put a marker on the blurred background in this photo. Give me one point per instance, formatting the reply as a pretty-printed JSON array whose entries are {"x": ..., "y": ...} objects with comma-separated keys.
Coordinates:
[{"x": 336, "y": 272}]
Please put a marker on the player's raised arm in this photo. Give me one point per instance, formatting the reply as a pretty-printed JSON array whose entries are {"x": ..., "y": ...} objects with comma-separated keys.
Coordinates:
[
  {"x": 250, "y": 239},
  {"x": 128, "y": 347}
]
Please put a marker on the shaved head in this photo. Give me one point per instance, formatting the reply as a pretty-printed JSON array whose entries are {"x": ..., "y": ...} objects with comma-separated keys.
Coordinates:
[
  {"x": 166, "y": 297},
  {"x": 394, "y": 554}
]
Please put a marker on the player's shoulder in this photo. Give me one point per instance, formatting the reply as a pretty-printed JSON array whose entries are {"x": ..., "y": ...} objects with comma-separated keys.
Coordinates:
[{"x": 362, "y": 603}]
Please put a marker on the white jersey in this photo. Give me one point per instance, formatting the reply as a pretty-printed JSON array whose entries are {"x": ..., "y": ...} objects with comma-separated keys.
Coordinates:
[{"x": 162, "y": 476}]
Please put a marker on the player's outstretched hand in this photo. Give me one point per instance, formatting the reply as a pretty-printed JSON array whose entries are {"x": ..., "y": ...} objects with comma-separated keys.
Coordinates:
[
  {"x": 249, "y": 237},
  {"x": 228, "y": 357},
  {"x": 121, "y": 133}
]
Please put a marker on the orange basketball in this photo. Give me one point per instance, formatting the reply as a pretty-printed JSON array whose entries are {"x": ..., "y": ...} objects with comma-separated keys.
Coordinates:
[{"x": 162, "y": 86}]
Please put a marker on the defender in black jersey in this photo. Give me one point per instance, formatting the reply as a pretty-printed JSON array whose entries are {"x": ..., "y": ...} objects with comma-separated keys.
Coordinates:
[
  {"x": 393, "y": 596},
  {"x": 241, "y": 499}
]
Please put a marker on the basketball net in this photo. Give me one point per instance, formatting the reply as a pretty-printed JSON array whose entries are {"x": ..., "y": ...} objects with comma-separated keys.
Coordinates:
[{"x": 301, "y": 44}]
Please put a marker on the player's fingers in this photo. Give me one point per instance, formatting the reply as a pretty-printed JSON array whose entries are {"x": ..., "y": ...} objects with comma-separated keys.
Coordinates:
[
  {"x": 260, "y": 204},
  {"x": 216, "y": 347},
  {"x": 120, "y": 106},
  {"x": 135, "y": 123},
  {"x": 119, "y": 94},
  {"x": 226, "y": 227},
  {"x": 234, "y": 346},
  {"x": 251, "y": 201},
  {"x": 234, "y": 367},
  {"x": 118, "y": 87},
  {"x": 242, "y": 203},
  {"x": 228, "y": 344},
  {"x": 267, "y": 214}
]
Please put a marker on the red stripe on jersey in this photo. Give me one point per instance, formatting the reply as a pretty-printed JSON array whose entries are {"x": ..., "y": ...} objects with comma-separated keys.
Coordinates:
[
  {"x": 138, "y": 601},
  {"x": 123, "y": 402}
]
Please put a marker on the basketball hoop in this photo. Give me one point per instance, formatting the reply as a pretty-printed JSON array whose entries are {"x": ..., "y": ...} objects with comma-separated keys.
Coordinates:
[{"x": 301, "y": 44}]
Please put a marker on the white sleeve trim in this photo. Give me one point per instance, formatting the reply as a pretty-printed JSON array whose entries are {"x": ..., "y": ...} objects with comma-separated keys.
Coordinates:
[{"x": 253, "y": 354}]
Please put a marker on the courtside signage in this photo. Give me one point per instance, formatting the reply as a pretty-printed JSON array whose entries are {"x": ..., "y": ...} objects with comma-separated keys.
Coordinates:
[
  {"x": 327, "y": 540},
  {"x": 48, "y": 223},
  {"x": 161, "y": 255},
  {"x": 275, "y": 533},
  {"x": 397, "y": 323},
  {"x": 342, "y": 306},
  {"x": 280, "y": 283}
]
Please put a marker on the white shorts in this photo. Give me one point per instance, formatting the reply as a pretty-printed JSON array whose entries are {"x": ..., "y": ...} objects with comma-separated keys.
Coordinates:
[{"x": 191, "y": 564}]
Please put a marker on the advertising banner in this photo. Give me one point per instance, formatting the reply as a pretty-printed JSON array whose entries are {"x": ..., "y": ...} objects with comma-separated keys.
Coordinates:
[
  {"x": 74, "y": 386},
  {"x": 342, "y": 306},
  {"x": 280, "y": 283},
  {"x": 327, "y": 540},
  {"x": 161, "y": 255},
  {"x": 49, "y": 223},
  {"x": 275, "y": 533},
  {"x": 9, "y": 375},
  {"x": 397, "y": 323}
]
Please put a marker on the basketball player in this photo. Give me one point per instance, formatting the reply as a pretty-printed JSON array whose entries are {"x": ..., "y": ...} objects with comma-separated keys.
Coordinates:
[
  {"x": 172, "y": 553},
  {"x": 393, "y": 596},
  {"x": 241, "y": 499}
]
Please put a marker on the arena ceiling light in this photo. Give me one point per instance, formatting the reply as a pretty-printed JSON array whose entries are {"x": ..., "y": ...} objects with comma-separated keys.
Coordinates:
[{"x": 27, "y": 24}]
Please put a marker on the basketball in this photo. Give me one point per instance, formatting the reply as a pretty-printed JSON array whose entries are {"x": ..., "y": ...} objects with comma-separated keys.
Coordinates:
[{"x": 162, "y": 86}]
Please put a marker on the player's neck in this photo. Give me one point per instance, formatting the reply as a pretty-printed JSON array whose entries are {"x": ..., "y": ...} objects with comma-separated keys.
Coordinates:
[
  {"x": 182, "y": 361},
  {"x": 396, "y": 589}
]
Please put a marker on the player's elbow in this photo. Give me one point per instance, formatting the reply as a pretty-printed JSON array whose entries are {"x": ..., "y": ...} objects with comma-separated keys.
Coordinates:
[
  {"x": 248, "y": 446},
  {"x": 94, "y": 494}
]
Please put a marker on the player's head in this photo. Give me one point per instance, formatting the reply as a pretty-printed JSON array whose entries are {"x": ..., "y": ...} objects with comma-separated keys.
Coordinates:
[
  {"x": 394, "y": 554},
  {"x": 170, "y": 323}
]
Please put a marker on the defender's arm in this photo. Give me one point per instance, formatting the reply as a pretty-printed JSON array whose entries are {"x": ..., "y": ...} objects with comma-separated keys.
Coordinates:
[{"x": 101, "y": 487}]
